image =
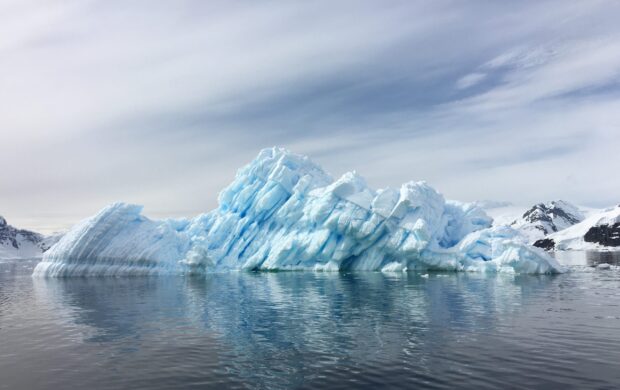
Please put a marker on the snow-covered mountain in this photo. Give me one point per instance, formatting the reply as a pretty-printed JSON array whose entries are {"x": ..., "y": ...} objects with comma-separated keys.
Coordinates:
[
  {"x": 536, "y": 221},
  {"x": 598, "y": 231},
  {"x": 560, "y": 225},
  {"x": 18, "y": 243},
  {"x": 283, "y": 212},
  {"x": 547, "y": 218},
  {"x": 503, "y": 213}
]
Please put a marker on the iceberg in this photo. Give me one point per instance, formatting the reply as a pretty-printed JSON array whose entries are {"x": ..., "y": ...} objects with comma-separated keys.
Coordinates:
[{"x": 283, "y": 212}]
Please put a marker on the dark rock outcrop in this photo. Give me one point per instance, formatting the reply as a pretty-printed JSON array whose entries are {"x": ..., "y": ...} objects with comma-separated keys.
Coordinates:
[
  {"x": 546, "y": 244},
  {"x": 551, "y": 217},
  {"x": 10, "y": 236},
  {"x": 607, "y": 235}
]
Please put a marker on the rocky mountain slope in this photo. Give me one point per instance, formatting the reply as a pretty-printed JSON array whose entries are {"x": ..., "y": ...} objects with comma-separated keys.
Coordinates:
[
  {"x": 543, "y": 219},
  {"x": 599, "y": 231},
  {"x": 20, "y": 243}
]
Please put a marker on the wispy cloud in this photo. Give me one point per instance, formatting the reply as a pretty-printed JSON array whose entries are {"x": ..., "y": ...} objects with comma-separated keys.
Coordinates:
[
  {"x": 470, "y": 80},
  {"x": 160, "y": 103}
]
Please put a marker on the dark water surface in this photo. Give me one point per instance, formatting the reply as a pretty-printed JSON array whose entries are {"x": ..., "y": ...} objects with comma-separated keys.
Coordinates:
[{"x": 311, "y": 330}]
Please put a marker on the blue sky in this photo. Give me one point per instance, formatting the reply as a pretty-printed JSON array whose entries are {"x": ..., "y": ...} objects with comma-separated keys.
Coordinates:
[{"x": 160, "y": 102}]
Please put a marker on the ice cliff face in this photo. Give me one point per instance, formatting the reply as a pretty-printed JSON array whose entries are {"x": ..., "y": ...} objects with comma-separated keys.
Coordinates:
[{"x": 283, "y": 212}]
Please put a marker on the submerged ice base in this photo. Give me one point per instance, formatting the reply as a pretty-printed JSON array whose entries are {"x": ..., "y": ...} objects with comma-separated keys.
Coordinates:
[{"x": 283, "y": 212}]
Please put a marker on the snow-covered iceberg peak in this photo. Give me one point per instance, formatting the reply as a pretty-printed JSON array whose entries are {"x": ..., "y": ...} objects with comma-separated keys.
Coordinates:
[{"x": 283, "y": 212}]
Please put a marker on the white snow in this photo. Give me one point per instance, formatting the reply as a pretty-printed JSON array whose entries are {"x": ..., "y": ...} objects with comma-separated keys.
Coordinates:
[
  {"x": 26, "y": 250},
  {"x": 507, "y": 214},
  {"x": 22, "y": 244},
  {"x": 283, "y": 212},
  {"x": 546, "y": 218},
  {"x": 572, "y": 237}
]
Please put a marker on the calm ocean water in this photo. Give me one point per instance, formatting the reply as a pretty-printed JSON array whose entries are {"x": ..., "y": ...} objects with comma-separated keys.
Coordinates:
[{"x": 312, "y": 330}]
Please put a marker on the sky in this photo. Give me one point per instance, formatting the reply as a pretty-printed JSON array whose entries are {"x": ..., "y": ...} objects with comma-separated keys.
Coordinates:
[{"x": 160, "y": 102}]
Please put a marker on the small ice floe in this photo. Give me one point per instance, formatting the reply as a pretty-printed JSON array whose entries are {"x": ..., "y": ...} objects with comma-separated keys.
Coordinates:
[
  {"x": 424, "y": 276},
  {"x": 603, "y": 266}
]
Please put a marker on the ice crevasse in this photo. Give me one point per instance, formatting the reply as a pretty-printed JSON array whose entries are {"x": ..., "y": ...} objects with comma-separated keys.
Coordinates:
[{"x": 283, "y": 212}]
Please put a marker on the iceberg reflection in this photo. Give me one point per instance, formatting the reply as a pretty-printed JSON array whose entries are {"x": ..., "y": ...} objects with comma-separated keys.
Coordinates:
[{"x": 277, "y": 328}]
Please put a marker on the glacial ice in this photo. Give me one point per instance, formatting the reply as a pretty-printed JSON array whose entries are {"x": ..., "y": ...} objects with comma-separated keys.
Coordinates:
[{"x": 283, "y": 212}]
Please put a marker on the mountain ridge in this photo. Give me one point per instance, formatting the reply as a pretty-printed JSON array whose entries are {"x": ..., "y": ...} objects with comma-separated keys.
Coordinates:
[{"x": 18, "y": 243}]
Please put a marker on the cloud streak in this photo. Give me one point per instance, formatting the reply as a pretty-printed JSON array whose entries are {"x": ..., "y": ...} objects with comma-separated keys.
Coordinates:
[{"x": 155, "y": 103}]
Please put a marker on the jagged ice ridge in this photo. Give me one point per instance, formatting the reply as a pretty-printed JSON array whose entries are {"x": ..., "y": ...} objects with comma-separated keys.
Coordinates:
[{"x": 283, "y": 212}]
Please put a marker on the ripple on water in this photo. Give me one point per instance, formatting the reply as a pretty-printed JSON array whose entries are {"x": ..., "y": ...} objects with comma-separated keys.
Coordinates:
[{"x": 309, "y": 330}]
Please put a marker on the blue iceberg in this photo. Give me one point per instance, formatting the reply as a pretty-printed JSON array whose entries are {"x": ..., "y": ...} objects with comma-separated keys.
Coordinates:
[{"x": 283, "y": 212}]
